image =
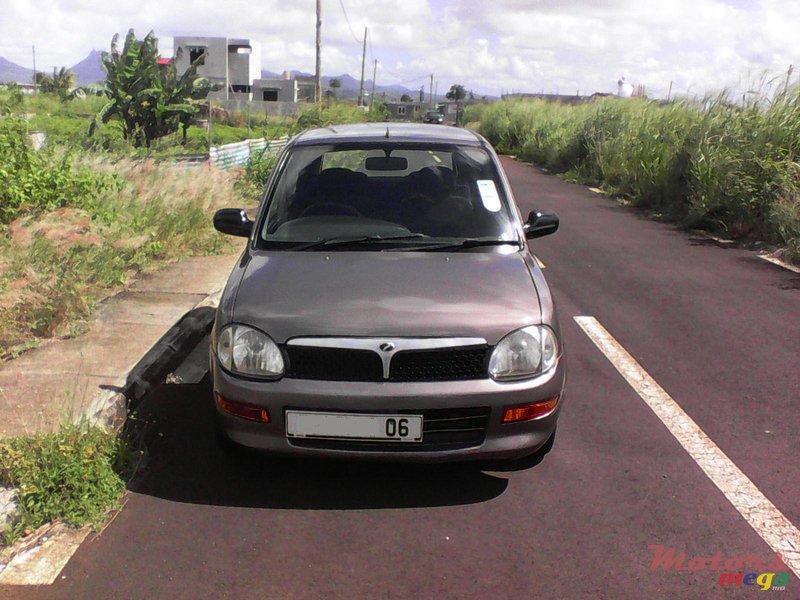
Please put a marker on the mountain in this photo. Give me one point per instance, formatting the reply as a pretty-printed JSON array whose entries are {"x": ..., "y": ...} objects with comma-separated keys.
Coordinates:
[
  {"x": 90, "y": 69},
  {"x": 13, "y": 73}
]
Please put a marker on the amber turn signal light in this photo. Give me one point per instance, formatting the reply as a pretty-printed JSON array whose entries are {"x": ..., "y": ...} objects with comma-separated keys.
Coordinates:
[
  {"x": 529, "y": 412},
  {"x": 244, "y": 411}
]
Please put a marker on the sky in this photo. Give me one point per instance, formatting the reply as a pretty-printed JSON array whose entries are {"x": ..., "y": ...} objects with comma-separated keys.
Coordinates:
[{"x": 489, "y": 46}]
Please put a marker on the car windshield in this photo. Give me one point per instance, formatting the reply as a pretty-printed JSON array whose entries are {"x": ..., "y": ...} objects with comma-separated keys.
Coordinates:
[{"x": 415, "y": 194}]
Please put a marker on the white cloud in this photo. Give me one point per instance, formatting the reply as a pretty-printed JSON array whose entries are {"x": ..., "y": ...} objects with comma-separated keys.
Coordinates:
[{"x": 487, "y": 46}]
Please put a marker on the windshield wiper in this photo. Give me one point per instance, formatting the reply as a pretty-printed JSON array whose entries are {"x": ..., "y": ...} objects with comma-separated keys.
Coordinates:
[
  {"x": 464, "y": 244},
  {"x": 364, "y": 239}
]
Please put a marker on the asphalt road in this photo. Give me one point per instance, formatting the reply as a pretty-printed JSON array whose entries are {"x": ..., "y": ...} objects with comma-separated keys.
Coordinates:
[{"x": 716, "y": 327}]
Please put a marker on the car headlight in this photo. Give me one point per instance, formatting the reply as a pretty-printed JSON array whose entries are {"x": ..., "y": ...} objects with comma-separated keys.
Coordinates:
[
  {"x": 247, "y": 351},
  {"x": 524, "y": 353}
]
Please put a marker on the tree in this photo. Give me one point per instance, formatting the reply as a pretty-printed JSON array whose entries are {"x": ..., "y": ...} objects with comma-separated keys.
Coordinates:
[
  {"x": 457, "y": 93},
  {"x": 405, "y": 98},
  {"x": 150, "y": 100},
  {"x": 60, "y": 82},
  {"x": 334, "y": 84}
]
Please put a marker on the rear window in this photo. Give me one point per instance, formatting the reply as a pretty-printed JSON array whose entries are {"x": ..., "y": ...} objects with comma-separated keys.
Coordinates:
[{"x": 437, "y": 191}]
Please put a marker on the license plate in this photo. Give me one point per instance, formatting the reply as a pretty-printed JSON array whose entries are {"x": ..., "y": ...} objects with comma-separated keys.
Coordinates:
[{"x": 353, "y": 426}]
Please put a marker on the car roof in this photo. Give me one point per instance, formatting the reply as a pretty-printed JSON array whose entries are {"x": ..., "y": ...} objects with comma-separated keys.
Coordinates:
[{"x": 393, "y": 132}]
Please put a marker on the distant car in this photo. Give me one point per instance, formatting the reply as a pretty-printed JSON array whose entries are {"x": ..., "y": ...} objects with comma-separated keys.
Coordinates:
[
  {"x": 433, "y": 116},
  {"x": 387, "y": 305}
]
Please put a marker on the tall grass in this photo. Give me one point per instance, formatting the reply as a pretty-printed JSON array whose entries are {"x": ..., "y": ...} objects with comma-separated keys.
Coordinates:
[{"x": 717, "y": 164}]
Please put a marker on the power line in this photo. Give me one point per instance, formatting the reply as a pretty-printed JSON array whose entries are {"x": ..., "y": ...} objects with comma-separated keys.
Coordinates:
[{"x": 350, "y": 27}]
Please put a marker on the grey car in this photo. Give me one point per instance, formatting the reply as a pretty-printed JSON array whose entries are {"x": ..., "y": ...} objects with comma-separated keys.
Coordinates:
[{"x": 387, "y": 304}]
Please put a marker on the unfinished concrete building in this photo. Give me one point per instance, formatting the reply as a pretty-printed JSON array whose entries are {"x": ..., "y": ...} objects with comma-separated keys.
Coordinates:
[{"x": 232, "y": 63}]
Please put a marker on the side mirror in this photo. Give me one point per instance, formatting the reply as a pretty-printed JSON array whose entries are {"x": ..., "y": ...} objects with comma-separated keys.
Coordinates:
[
  {"x": 540, "y": 223},
  {"x": 233, "y": 221}
]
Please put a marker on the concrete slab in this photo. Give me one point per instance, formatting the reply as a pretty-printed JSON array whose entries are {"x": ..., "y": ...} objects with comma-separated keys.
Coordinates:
[
  {"x": 107, "y": 350},
  {"x": 145, "y": 307},
  {"x": 41, "y": 402},
  {"x": 44, "y": 555},
  {"x": 195, "y": 275},
  {"x": 63, "y": 379}
]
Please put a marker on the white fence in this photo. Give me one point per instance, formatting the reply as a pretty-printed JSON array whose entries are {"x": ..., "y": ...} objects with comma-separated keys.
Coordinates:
[{"x": 231, "y": 155}]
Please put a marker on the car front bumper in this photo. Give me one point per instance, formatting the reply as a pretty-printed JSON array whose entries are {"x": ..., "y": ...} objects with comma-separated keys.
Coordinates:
[{"x": 501, "y": 440}]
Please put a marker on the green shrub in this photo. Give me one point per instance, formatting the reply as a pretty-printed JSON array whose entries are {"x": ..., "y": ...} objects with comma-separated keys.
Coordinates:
[
  {"x": 256, "y": 173},
  {"x": 36, "y": 181},
  {"x": 75, "y": 474}
]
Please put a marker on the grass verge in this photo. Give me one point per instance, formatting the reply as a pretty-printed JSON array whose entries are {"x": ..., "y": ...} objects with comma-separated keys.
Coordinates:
[{"x": 63, "y": 252}]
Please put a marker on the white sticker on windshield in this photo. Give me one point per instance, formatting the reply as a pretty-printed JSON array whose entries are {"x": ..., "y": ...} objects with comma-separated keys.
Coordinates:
[{"x": 488, "y": 190}]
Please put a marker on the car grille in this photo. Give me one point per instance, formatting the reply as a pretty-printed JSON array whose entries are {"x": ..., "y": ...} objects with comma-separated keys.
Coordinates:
[
  {"x": 333, "y": 364},
  {"x": 344, "y": 364},
  {"x": 439, "y": 365},
  {"x": 442, "y": 429}
]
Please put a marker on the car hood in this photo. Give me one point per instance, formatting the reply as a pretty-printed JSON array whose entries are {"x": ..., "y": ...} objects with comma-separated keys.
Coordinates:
[{"x": 386, "y": 294}]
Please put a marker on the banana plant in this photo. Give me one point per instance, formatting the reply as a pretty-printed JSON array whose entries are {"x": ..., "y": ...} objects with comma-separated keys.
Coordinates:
[{"x": 148, "y": 99}]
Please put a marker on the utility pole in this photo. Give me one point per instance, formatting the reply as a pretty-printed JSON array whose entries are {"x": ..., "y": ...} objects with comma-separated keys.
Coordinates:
[
  {"x": 433, "y": 100},
  {"x": 34, "y": 68},
  {"x": 363, "y": 60},
  {"x": 669, "y": 92},
  {"x": 374, "y": 73},
  {"x": 318, "y": 72}
]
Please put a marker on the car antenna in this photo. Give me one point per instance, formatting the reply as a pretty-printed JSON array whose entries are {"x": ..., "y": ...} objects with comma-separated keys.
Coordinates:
[{"x": 387, "y": 133}]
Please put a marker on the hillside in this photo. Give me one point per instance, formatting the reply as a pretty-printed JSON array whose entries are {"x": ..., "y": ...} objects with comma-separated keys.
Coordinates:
[
  {"x": 13, "y": 73},
  {"x": 90, "y": 69}
]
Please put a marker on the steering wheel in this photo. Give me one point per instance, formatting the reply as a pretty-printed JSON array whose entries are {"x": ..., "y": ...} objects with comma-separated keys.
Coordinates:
[{"x": 330, "y": 209}]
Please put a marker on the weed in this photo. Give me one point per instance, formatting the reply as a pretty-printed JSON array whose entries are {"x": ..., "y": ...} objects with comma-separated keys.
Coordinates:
[{"x": 75, "y": 474}]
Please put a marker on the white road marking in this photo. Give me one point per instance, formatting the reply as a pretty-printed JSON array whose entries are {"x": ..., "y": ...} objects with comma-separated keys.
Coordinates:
[{"x": 768, "y": 522}]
